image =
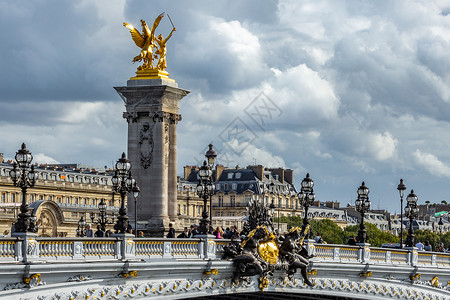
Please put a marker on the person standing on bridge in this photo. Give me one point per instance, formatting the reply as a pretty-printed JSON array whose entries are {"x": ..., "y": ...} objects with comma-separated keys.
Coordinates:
[
  {"x": 89, "y": 231},
  {"x": 427, "y": 246},
  {"x": 419, "y": 246},
  {"x": 171, "y": 233}
]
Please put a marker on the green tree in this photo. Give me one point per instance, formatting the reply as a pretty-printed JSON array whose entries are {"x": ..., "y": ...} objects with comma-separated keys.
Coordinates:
[
  {"x": 376, "y": 236},
  {"x": 291, "y": 221},
  {"x": 329, "y": 231},
  {"x": 427, "y": 235}
]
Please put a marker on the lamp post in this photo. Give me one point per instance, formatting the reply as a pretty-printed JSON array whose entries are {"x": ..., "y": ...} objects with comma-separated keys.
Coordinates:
[
  {"x": 103, "y": 218},
  {"x": 136, "y": 190},
  {"x": 81, "y": 230},
  {"x": 24, "y": 177},
  {"x": 210, "y": 156},
  {"x": 401, "y": 189},
  {"x": 411, "y": 212},
  {"x": 362, "y": 206},
  {"x": 123, "y": 183},
  {"x": 306, "y": 198},
  {"x": 205, "y": 189},
  {"x": 441, "y": 224}
]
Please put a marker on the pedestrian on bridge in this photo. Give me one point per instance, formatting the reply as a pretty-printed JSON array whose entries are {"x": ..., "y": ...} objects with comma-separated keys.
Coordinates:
[{"x": 419, "y": 246}]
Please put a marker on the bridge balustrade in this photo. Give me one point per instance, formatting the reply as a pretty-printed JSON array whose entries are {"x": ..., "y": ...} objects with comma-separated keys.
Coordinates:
[
  {"x": 7, "y": 248},
  {"x": 399, "y": 256},
  {"x": 88, "y": 249}
]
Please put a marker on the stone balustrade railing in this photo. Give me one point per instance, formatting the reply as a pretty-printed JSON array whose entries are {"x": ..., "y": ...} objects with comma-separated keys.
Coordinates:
[{"x": 127, "y": 247}]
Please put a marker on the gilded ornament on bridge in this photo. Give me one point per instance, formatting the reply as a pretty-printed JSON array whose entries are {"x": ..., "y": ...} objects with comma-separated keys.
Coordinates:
[
  {"x": 261, "y": 252},
  {"x": 153, "y": 50}
]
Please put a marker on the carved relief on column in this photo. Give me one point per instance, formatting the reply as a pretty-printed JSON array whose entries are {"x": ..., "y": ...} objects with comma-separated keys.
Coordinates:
[
  {"x": 166, "y": 144},
  {"x": 146, "y": 144},
  {"x": 174, "y": 118},
  {"x": 130, "y": 116}
]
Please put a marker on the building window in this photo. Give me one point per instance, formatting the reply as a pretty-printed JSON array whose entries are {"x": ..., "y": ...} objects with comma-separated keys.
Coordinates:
[
  {"x": 184, "y": 209},
  {"x": 234, "y": 186},
  {"x": 3, "y": 197},
  {"x": 53, "y": 176},
  {"x": 247, "y": 199},
  {"x": 50, "y": 198},
  {"x": 76, "y": 201},
  {"x": 93, "y": 202},
  {"x": 230, "y": 175},
  {"x": 71, "y": 178},
  {"x": 218, "y": 186},
  {"x": 220, "y": 200},
  {"x": 232, "y": 200},
  {"x": 179, "y": 209},
  {"x": 199, "y": 210},
  {"x": 13, "y": 197},
  {"x": 238, "y": 175},
  {"x": 225, "y": 186},
  {"x": 41, "y": 197},
  {"x": 231, "y": 214},
  {"x": 67, "y": 200},
  {"x": 31, "y": 198}
]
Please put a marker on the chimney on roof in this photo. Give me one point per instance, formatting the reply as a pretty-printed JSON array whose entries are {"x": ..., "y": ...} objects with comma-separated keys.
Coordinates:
[
  {"x": 219, "y": 170},
  {"x": 187, "y": 171},
  {"x": 279, "y": 172},
  {"x": 289, "y": 176},
  {"x": 259, "y": 171}
]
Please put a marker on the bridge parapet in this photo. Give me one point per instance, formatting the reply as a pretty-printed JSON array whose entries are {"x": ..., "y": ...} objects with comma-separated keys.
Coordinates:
[
  {"x": 88, "y": 249},
  {"x": 87, "y": 268}
]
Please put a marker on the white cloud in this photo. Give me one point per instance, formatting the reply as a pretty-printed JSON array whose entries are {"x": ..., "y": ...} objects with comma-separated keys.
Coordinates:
[
  {"x": 252, "y": 153},
  {"x": 432, "y": 164},
  {"x": 382, "y": 145},
  {"x": 41, "y": 158}
]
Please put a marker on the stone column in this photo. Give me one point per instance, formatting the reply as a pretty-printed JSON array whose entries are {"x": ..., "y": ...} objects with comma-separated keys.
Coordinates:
[
  {"x": 173, "y": 211},
  {"x": 151, "y": 104}
]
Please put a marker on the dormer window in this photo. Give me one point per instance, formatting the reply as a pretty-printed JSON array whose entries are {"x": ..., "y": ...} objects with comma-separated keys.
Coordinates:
[
  {"x": 238, "y": 175},
  {"x": 230, "y": 175}
]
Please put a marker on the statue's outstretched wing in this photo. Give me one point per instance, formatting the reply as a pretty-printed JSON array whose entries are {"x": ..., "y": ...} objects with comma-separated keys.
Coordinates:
[
  {"x": 135, "y": 35},
  {"x": 156, "y": 23}
]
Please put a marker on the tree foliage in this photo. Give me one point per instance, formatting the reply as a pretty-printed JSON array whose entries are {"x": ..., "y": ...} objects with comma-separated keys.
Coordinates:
[
  {"x": 332, "y": 234},
  {"x": 426, "y": 235},
  {"x": 329, "y": 231}
]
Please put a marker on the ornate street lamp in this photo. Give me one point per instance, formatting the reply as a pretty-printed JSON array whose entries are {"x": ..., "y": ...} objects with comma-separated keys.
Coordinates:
[
  {"x": 136, "y": 190},
  {"x": 362, "y": 206},
  {"x": 306, "y": 198},
  {"x": 401, "y": 189},
  {"x": 123, "y": 183},
  {"x": 441, "y": 224},
  {"x": 411, "y": 212},
  {"x": 81, "y": 230},
  {"x": 103, "y": 218},
  {"x": 210, "y": 156},
  {"x": 205, "y": 189},
  {"x": 24, "y": 178}
]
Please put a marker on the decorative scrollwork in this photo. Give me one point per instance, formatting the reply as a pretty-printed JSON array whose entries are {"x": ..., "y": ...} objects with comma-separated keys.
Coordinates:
[
  {"x": 79, "y": 278},
  {"x": 129, "y": 274},
  {"x": 211, "y": 272}
]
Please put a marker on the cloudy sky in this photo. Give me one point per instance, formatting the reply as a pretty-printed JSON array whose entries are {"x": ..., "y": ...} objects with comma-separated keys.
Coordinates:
[{"x": 345, "y": 90}]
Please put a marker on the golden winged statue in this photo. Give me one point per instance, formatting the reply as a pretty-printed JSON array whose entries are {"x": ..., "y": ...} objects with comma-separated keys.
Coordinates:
[{"x": 147, "y": 42}]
